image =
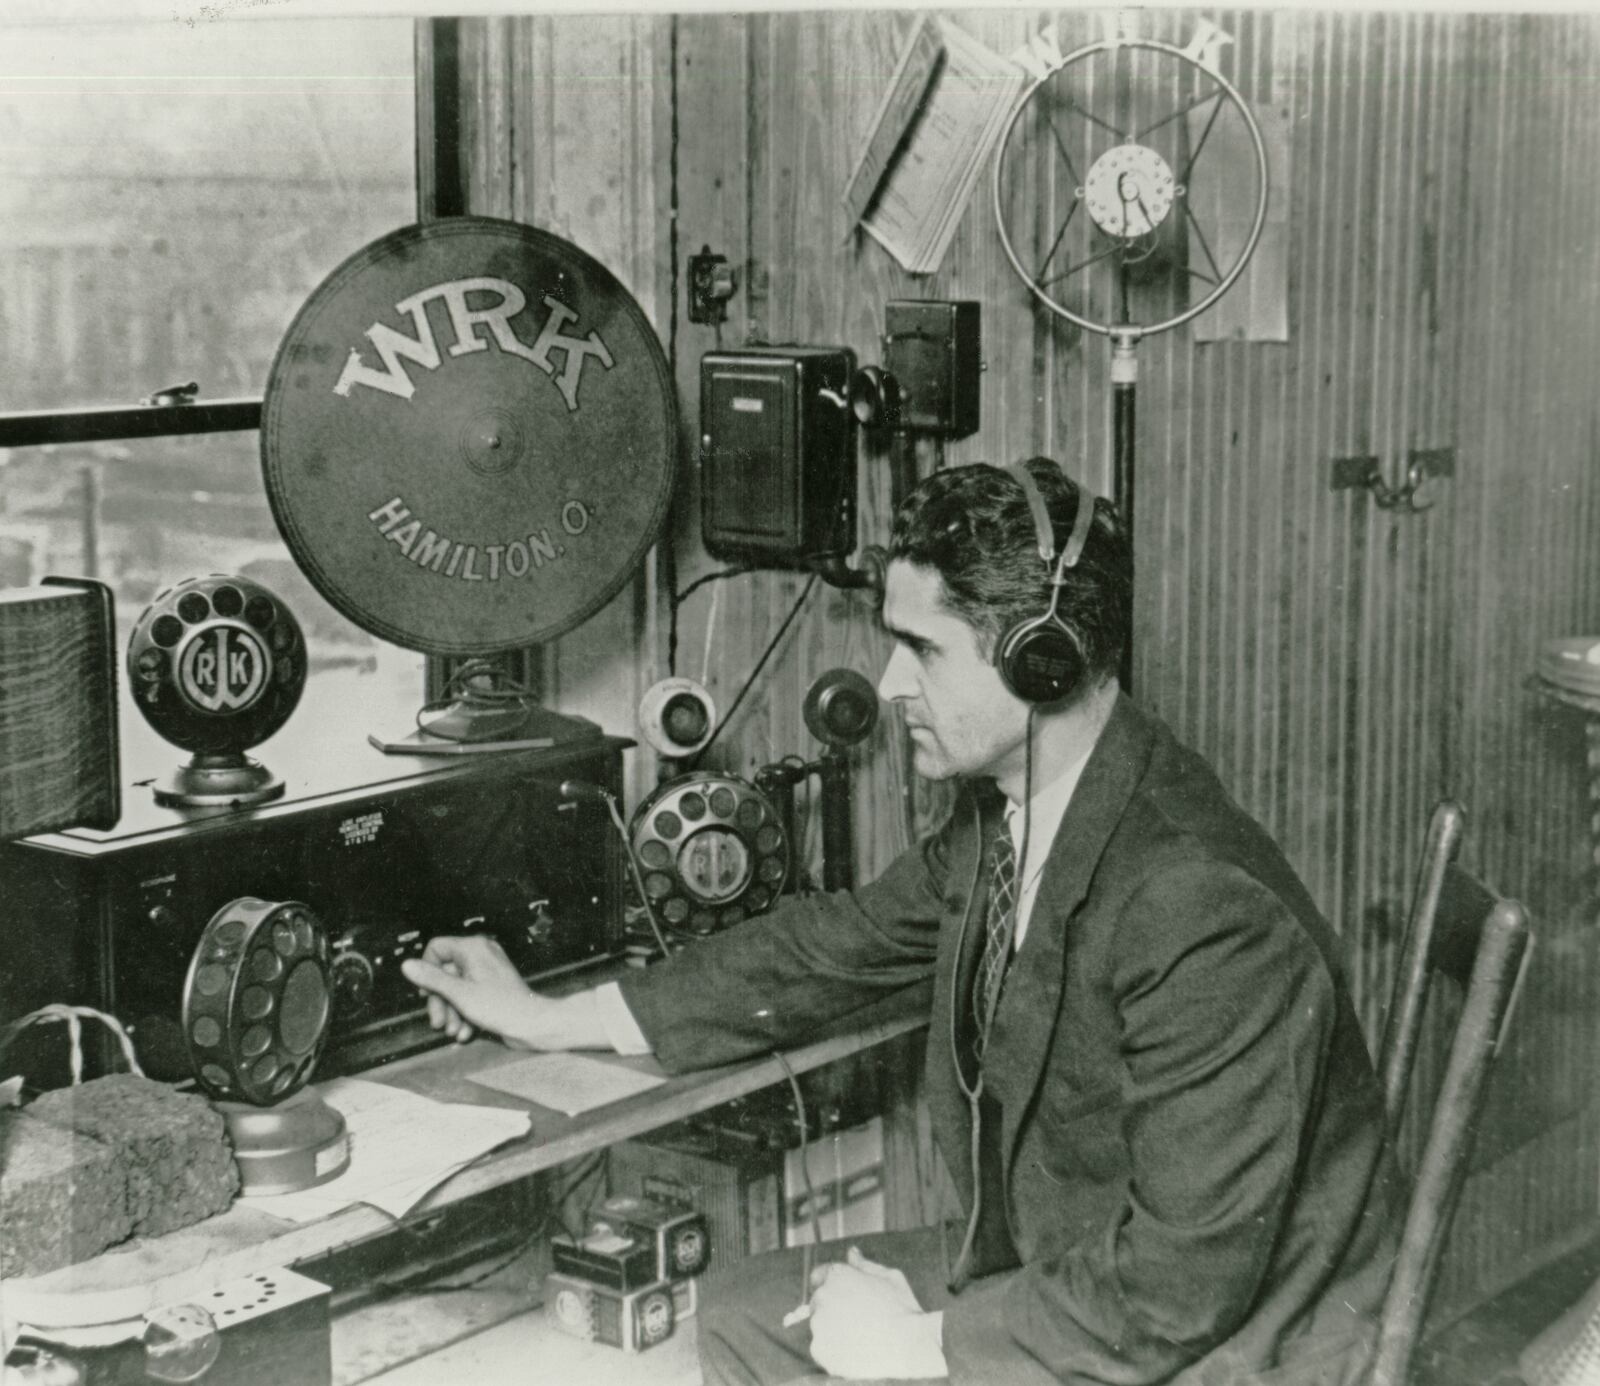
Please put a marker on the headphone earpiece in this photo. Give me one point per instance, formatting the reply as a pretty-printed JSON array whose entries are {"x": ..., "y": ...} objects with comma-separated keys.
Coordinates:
[{"x": 1041, "y": 658}]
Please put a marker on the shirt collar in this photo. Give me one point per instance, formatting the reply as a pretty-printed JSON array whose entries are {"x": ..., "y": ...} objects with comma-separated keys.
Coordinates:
[{"x": 1046, "y": 809}]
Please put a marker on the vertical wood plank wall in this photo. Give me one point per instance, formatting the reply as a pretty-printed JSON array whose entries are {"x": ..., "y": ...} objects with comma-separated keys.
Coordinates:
[{"x": 1342, "y": 666}]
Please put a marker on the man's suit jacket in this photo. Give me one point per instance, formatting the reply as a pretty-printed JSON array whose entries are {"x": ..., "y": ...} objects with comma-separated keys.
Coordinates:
[{"x": 1195, "y": 1185}]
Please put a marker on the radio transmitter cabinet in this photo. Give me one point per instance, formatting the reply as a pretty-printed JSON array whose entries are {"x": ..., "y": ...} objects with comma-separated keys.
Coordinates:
[{"x": 387, "y": 850}]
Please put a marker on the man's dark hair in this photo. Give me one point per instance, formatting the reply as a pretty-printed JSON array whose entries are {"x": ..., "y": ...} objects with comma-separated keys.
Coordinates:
[{"x": 972, "y": 525}]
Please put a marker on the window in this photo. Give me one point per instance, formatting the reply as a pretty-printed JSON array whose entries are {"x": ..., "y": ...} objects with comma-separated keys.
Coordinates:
[{"x": 169, "y": 196}]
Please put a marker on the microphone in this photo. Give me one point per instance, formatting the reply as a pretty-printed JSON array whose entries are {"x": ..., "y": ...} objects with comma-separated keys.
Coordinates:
[
  {"x": 841, "y": 708},
  {"x": 216, "y": 665},
  {"x": 677, "y": 717}
]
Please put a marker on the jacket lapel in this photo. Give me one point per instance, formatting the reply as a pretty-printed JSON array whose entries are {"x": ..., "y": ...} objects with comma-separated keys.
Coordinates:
[{"x": 1031, "y": 1002}]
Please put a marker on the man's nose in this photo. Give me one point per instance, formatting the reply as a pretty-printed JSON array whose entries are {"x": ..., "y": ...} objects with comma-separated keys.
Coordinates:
[{"x": 895, "y": 683}]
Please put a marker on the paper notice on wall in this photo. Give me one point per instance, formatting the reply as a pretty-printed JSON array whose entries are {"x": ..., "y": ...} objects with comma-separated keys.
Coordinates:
[
  {"x": 927, "y": 186},
  {"x": 920, "y": 56},
  {"x": 1223, "y": 193}
]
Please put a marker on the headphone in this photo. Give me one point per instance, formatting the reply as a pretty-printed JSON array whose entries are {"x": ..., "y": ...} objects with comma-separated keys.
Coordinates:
[{"x": 1041, "y": 658}]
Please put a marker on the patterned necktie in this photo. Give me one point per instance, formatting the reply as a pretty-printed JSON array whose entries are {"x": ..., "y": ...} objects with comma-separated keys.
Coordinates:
[{"x": 997, "y": 934}]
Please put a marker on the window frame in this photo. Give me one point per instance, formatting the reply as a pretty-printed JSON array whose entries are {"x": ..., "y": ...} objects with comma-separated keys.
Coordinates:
[{"x": 440, "y": 192}]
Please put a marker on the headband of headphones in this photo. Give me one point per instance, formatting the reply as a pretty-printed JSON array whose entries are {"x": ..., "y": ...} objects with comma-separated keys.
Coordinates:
[{"x": 1045, "y": 532}]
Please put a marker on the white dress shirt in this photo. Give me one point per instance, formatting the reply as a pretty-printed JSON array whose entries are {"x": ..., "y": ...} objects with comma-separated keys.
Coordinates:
[{"x": 1046, "y": 809}]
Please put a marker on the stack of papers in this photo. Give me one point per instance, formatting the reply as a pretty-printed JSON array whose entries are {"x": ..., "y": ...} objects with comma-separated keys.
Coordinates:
[
  {"x": 926, "y": 188},
  {"x": 401, "y": 1146},
  {"x": 570, "y": 1083}
]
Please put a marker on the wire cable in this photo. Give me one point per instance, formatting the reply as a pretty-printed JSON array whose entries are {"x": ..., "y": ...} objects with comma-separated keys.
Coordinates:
[
  {"x": 496, "y": 688},
  {"x": 974, "y": 1094},
  {"x": 678, "y": 600},
  {"x": 638, "y": 876},
  {"x": 598, "y": 1163},
  {"x": 809, "y": 1249},
  {"x": 411, "y": 1284},
  {"x": 755, "y": 673},
  {"x": 552, "y": 1215}
]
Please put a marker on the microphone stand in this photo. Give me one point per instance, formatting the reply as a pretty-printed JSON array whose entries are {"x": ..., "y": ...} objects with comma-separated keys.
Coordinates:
[
  {"x": 838, "y": 820},
  {"x": 778, "y": 780}
]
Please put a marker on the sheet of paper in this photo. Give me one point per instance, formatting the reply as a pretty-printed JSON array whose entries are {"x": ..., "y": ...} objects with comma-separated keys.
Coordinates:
[
  {"x": 569, "y": 1083},
  {"x": 401, "y": 1146},
  {"x": 1222, "y": 195},
  {"x": 920, "y": 56},
  {"x": 926, "y": 189}
]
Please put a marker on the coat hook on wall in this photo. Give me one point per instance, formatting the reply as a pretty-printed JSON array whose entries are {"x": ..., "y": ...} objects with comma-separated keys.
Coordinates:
[{"x": 1424, "y": 467}]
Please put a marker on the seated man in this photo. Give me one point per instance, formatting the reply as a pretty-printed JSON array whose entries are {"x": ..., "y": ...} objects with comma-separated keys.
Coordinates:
[{"x": 1143, "y": 1067}]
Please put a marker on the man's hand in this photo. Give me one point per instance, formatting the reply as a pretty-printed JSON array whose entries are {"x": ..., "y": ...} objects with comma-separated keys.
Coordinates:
[
  {"x": 866, "y": 1323},
  {"x": 472, "y": 986}
]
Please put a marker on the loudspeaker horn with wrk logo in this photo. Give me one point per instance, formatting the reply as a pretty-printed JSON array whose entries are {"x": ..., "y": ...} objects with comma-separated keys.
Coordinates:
[{"x": 217, "y": 664}]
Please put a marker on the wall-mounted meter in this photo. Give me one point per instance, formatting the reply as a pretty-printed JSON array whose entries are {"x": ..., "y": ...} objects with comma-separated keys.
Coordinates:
[{"x": 777, "y": 454}]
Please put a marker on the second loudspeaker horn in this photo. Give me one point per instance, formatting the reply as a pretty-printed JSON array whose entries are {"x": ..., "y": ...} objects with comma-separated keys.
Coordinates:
[{"x": 677, "y": 716}]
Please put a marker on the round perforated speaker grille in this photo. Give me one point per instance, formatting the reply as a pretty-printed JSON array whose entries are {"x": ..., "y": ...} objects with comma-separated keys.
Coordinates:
[
  {"x": 711, "y": 849},
  {"x": 257, "y": 1000},
  {"x": 216, "y": 663}
]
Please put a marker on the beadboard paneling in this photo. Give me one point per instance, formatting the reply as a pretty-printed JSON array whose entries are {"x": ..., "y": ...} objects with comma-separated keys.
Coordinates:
[{"x": 1342, "y": 666}]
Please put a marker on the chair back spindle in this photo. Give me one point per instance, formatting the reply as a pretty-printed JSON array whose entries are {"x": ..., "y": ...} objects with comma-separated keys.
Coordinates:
[{"x": 1460, "y": 928}]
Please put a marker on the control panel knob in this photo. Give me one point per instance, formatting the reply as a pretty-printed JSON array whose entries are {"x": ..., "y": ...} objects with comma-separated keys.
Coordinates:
[
  {"x": 353, "y": 981},
  {"x": 541, "y": 925}
]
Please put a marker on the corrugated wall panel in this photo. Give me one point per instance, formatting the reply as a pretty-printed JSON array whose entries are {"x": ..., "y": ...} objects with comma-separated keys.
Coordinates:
[{"x": 1342, "y": 666}]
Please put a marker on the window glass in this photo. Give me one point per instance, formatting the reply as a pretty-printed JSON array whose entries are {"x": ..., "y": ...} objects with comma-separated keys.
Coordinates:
[{"x": 170, "y": 194}]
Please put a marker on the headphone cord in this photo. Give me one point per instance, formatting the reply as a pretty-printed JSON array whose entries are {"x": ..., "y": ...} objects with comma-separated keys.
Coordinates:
[
  {"x": 809, "y": 1249},
  {"x": 974, "y": 1095},
  {"x": 955, "y": 1278}
]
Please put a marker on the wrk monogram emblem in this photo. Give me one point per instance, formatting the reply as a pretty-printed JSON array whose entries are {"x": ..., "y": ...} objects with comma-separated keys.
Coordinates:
[{"x": 223, "y": 670}]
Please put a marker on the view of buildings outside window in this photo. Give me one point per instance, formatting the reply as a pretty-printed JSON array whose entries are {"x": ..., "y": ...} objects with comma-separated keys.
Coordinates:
[{"x": 170, "y": 194}]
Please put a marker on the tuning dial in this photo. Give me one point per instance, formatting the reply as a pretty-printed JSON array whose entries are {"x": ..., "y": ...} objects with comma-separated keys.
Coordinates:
[
  {"x": 353, "y": 981},
  {"x": 541, "y": 923}
]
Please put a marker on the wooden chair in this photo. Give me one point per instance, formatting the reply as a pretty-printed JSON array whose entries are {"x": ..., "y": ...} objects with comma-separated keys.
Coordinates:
[{"x": 1462, "y": 929}]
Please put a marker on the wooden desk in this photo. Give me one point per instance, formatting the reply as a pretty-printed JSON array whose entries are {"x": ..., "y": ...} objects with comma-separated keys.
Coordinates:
[{"x": 125, "y": 1283}]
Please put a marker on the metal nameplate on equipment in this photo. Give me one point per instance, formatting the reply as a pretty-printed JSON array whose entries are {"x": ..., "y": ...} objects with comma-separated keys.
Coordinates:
[{"x": 469, "y": 436}]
